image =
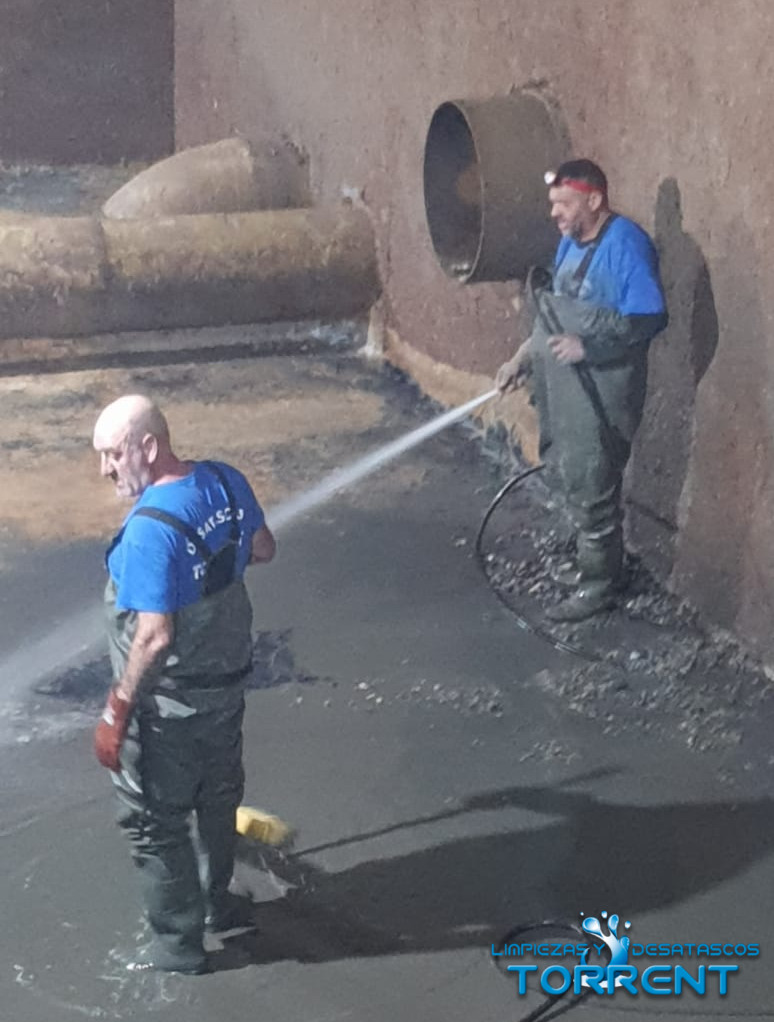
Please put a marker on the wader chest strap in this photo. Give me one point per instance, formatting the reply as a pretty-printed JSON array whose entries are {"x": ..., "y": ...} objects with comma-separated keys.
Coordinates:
[{"x": 219, "y": 566}]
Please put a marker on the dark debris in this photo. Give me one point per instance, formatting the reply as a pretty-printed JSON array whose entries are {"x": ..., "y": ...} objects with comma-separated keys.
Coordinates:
[{"x": 658, "y": 668}]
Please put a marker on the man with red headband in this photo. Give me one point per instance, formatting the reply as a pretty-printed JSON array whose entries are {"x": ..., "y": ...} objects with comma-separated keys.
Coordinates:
[{"x": 586, "y": 359}]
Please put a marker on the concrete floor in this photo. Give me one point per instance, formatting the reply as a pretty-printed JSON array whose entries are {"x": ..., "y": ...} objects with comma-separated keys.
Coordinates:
[{"x": 443, "y": 797}]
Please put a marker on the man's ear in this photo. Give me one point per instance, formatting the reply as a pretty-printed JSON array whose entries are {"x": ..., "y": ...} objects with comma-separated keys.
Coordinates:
[
  {"x": 150, "y": 448},
  {"x": 595, "y": 201}
]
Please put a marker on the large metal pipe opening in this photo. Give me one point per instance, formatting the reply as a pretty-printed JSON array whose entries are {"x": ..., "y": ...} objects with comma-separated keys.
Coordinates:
[{"x": 485, "y": 195}]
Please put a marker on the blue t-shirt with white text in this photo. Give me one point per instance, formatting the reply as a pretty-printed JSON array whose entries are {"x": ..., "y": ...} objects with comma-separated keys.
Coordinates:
[{"x": 154, "y": 567}]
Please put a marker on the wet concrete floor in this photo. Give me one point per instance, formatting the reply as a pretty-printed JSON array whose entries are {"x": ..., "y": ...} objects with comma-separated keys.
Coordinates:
[{"x": 441, "y": 795}]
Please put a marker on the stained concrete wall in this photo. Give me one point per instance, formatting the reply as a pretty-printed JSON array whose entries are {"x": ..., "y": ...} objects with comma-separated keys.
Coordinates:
[
  {"x": 671, "y": 96},
  {"x": 86, "y": 81}
]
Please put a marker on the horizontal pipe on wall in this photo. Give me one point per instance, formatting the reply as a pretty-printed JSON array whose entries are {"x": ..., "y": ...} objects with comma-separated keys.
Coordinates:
[{"x": 65, "y": 277}]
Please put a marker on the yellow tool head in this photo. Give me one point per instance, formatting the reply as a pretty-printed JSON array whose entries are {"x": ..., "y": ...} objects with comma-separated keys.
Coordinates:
[{"x": 262, "y": 826}]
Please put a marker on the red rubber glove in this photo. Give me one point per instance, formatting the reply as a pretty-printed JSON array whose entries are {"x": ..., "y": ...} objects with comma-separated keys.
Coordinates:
[{"x": 111, "y": 730}]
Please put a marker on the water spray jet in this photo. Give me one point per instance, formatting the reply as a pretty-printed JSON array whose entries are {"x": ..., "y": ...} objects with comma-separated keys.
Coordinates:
[{"x": 288, "y": 511}]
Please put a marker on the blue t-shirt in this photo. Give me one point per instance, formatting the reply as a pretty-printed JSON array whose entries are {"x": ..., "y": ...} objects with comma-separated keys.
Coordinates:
[
  {"x": 154, "y": 567},
  {"x": 622, "y": 275}
]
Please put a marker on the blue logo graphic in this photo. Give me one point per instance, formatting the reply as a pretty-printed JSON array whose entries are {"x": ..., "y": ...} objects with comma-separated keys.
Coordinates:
[
  {"x": 619, "y": 949},
  {"x": 614, "y": 968}
]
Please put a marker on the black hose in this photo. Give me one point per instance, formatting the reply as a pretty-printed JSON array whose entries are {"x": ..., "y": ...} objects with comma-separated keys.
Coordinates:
[
  {"x": 522, "y": 622},
  {"x": 502, "y": 492}
]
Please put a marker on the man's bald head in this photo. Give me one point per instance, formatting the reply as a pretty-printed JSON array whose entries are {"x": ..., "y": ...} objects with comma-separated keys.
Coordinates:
[
  {"x": 131, "y": 416},
  {"x": 132, "y": 437}
]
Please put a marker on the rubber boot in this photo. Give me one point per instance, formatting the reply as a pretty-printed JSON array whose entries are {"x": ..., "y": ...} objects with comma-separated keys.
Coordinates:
[
  {"x": 600, "y": 555},
  {"x": 566, "y": 574},
  {"x": 173, "y": 902},
  {"x": 233, "y": 912},
  {"x": 217, "y": 839},
  {"x": 600, "y": 560},
  {"x": 153, "y": 814},
  {"x": 587, "y": 600}
]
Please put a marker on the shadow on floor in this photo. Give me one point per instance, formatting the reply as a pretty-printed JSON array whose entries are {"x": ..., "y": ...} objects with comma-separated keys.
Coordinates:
[{"x": 585, "y": 854}]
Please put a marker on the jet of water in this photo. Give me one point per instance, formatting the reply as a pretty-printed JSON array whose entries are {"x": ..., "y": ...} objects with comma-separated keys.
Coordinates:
[
  {"x": 80, "y": 638},
  {"x": 342, "y": 479}
]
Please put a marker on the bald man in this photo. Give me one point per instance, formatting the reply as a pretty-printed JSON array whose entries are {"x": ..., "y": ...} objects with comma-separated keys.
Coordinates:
[{"x": 179, "y": 630}]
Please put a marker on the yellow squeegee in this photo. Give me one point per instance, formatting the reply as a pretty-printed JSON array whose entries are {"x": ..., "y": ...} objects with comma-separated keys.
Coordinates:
[{"x": 262, "y": 826}]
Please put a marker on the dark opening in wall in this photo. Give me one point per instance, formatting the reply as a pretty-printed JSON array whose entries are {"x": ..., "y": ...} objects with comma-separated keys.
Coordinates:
[
  {"x": 453, "y": 185},
  {"x": 485, "y": 196}
]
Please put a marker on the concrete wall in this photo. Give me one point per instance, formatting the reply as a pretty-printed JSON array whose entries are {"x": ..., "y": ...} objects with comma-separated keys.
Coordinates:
[
  {"x": 86, "y": 81},
  {"x": 671, "y": 96}
]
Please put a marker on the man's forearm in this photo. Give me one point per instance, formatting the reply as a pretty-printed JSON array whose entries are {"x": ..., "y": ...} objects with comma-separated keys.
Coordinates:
[
  {"x": 611, "y": 334},
  {"x": 605, "y": 333},
  {"x": 153, "y": 637},
  {"x": 151, "y": 641}
]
